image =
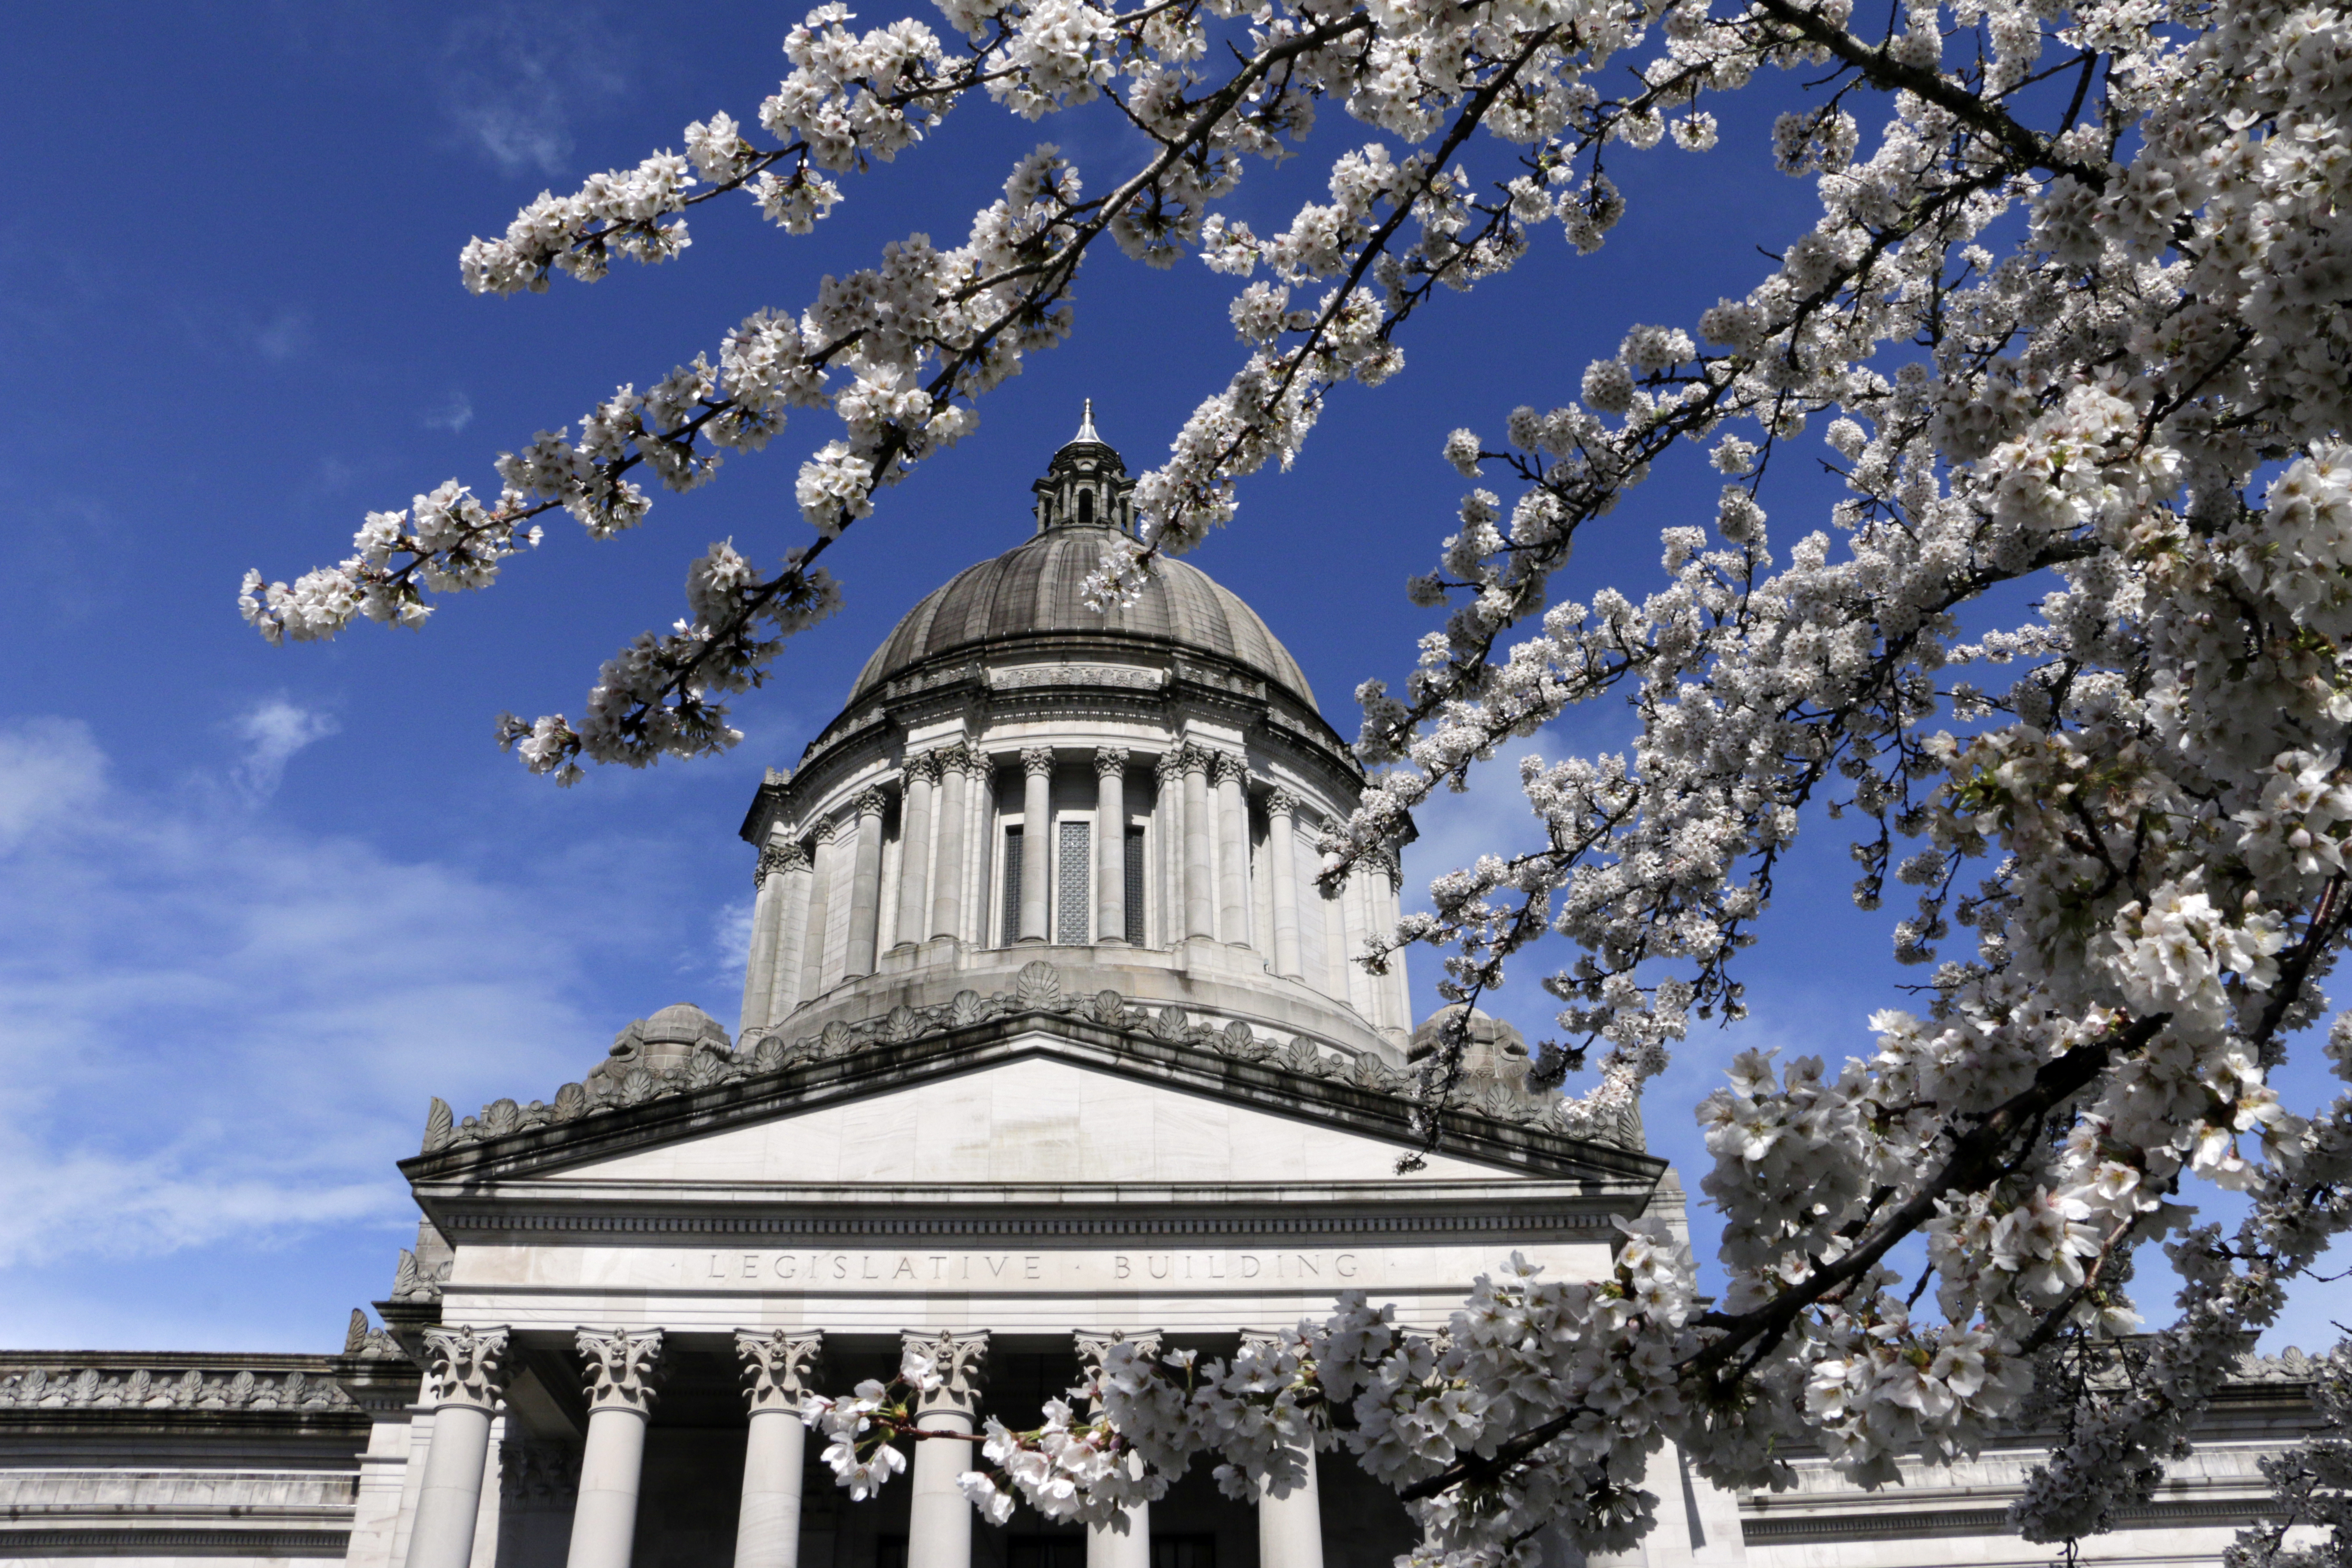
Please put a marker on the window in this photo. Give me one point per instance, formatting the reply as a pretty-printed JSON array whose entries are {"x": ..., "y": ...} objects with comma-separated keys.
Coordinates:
[
  {"x": 1183, "y": 1552},
  {"x": 1134, "y": 933},
  {"x": 1046, "y": 1551},
  {"x": 890, "y": 1552},
  {"x": 1009, "y": 929},
  {"x": 1075, "y": 873}
]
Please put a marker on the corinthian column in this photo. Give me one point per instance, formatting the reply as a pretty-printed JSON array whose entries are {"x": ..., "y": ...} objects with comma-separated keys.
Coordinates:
[
  {"x": 776, "y": 1368},
  {"x": 767, "y": 921},
  {"x": 1282, "y": 866},
  {"x": 939, "y": 1518},
  {"x": 1106, "y": 1545},
  {"x": 866, "y": 886},
  {"x": 947, "y": 876},
  {"x": 792, "y": 870},
  {"x": 915, "y": 849},
  {"x": 1110, "y": 845},
  {"x": 1200, "y": 895},
  {"x": 621, "y": 1368},
  {"x": 1168, "y": 831},
  {"x": 1036, "y": 817},
  {"x": 1290, "y": 1527},
  {"x": 465, "y": 1373},
  {"x": 819, "y": 924},
  {"x": 1233, "y": 851}
]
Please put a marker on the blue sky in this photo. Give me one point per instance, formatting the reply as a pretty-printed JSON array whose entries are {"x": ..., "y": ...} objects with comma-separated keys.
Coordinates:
[{"x": 259, "y": 904}]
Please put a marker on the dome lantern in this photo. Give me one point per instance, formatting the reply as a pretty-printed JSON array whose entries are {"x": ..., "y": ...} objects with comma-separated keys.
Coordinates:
[{"x": 1086, "y": 486}]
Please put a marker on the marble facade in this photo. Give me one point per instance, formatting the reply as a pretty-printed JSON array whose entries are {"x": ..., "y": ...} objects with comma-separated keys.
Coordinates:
[{"x": 1048, "y": 1037}]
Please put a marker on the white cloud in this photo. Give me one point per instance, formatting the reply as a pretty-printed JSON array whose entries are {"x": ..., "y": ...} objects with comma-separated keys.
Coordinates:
[
  {"x": 217, "y": 1030},
  {"x": 517, "y": 75},
  {"x": 456, "y": 412},
  {"x": 285, "y": 336},
  {"x": 273, "y": 730}
]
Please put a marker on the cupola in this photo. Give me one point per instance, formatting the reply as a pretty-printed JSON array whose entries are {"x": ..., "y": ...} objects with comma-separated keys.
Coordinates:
[{"x": 1086, "y": 486}]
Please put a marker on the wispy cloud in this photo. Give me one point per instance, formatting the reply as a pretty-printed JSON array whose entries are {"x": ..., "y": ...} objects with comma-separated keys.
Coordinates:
[
  {"x": 453, "y": 414},
  {"x": 519, "y": 74},
  {"x": 219, "y": 1030},
  {"x": 273, "y": 730},
  {"x": 285, "y": 336}
]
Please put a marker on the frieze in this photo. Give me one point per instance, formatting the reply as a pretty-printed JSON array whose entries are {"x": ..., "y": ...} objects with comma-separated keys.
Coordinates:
[
  {"x": 1223, "y": 1227},
  {"x": 1022, "y": 677},
  {"x": 1037, "y": 990},
  {"x": 101, "y": 1387}
]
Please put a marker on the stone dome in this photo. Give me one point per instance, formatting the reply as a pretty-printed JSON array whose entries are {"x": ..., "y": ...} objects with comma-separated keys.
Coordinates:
[{"x": 1032, "y": 597}]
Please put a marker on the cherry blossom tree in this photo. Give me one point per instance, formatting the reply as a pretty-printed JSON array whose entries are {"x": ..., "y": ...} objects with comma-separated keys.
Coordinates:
[{"x": 2071, "y": 327}]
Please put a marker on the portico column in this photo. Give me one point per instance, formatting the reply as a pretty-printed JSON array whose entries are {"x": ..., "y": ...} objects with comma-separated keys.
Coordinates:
[
  {"x": 939, "y": 1517},
  {"x": 777, "y": 1364},
  {"x": 866, "y": 886},
  {"x": 915, "y": 849},
  {"x": 1036, "y": 817},
  {"x": 622, "y": 1366},
  {"x": 1390, "y": 884},
  {"x": 465, "y": 1373},
  {"x": 1233, "y": 851},
  {"x": 824, "y": 878},
  {"x": 792, "y": 870},
  {"x": 1200, "y": 897},
  {"x": 1110, "y": 845},
  {"x": 979, "y": 826},
  {"x": 1281, "y": 865},
  {"x": 1290, "y": 1527},
  {"x": 947, "y": 876},
  {"x": 1106, "y": 1545}
]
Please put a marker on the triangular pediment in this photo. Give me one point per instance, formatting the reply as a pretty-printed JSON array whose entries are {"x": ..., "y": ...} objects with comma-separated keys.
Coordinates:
[
  {"x": 1027, "y": 1119},
  {"x": 1031, "y": 1095}
]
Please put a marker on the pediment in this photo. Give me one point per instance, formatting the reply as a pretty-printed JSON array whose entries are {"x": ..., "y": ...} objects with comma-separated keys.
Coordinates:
[
  {"x": 1030, "y": 1117},
  {"x": 1031, "y": 1094}
]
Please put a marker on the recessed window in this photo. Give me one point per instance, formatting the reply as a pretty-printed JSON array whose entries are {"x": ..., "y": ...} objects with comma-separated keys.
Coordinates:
[
  {"x": 1071, "y": 885},
  {"x": 1134, "y": 871},
  {"x": 1008, "y": 930}
]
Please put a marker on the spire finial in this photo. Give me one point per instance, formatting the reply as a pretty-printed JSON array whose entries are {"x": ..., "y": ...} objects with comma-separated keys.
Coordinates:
[{"x": 1086, "y": 425}]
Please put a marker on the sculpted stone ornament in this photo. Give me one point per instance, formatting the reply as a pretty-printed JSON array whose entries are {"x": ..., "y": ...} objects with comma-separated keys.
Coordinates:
[
  {"x": 1110, "y": 761},
  {"x": 960, "y": 1359},
  {"x": 873, "y": 802},
  {"x": 465, "y": 1365},
  {"x": 1226, "y": 768},
  {"x": 786, "y": 857},
  {"x": 1170, "y": 768},
  {"x": 622, "y": 1367},
  {"x": 1281, "y": 803},
  {"x": 777, "y": 1364},
  {"x": 1093, "y": 1346},
  {"x": 1037, "y": 762},
  {"x": 923, "y": 765}
]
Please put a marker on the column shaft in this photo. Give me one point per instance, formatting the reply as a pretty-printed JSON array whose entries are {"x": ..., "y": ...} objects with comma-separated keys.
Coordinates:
[
  {"x": 1281, "y": 867},
  {"x": 979, "y": 848},
  {"x": 792, "y": 938},
  {"x": 1233, "y": 853},
  {"x": 1167, "y": 830},
  {"x": 1037, "y": 845},
  {"x": 605, "y": 1520},
  {"x": 451, "y": 1498},
  {"x": 915, "y": 851},
  {"x": 939, "y": 1518},
  {"x": 1199, "y": 896},
  {"x": 1110, "y": 845},
  {"x": 865, "y": 887},
  {"x": 819, "y": 927},
  {"x": 1130, "y": 1548},
  {"x": 1399, "y": 990},
  {"x": 1290, "y": 1529},
  {"x": 947, "y": 878},
  {"x": 760, "y": 964},
  {"x": 768, "y": 1528}
]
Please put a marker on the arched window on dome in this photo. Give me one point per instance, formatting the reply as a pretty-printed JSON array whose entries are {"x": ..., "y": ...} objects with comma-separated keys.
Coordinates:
[{"x": 1085, "y": 506}]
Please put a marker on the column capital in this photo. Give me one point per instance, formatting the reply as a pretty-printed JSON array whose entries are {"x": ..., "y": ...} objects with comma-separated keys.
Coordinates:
[
  {"x": 924, "y": 765},
  {"x": 1037, "y": 762},
  {"x": 466, "y": 1366},
  {"x": 777, "y": 1365},
  {"x": 977, "y": 762},
  {"x": 623, "y": 1365},
  {"x": 1195, "y": 758},
  {"x": 827, "y": 830},
  {"x": 960, "y": 1359},
  {"x": 1281, "y": 803},
  {"x": 1109, "y": 759},
  {"x": 1094, "y": 1346},
  {"x": 1170, "y": 765},
  {"x": 786, "y": 857},
  {"x": 872, "y": 802},
  {"x": 1227, "y": 768}
]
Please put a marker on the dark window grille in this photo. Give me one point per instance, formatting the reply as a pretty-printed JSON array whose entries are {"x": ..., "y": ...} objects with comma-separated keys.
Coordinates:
[
  {"x": 890, "y": 1552},
  {"x": 1075, "y": 873},
  {"x": 1134, "y": 933},
  {"x": 1009, "y": 929},
  {"x": 1183, "y": 1552},
  {"x": 1046, "y": 1551}
]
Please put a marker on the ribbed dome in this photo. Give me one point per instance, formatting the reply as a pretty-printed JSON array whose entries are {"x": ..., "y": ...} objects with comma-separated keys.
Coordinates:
[{"x": 1038, "y": 591}]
